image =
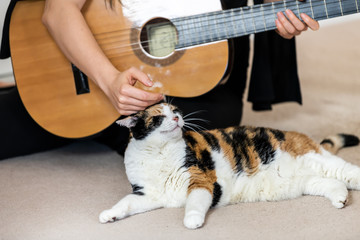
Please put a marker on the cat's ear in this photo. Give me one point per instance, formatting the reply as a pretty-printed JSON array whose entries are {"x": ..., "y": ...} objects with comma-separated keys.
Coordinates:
[{"x": 128, "y": 122}]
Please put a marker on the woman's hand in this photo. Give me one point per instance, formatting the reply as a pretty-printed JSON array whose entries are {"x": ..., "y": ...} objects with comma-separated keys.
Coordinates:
[
  {"x": 126, "y": 98},
  {"x": 69, "y": 29},
  {"x": 293, "y": 26},
  {"x": 290, "y": 25}
]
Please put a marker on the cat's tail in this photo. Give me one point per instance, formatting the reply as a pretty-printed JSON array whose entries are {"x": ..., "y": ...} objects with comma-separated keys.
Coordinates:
[{"x": 335, "y": 142}]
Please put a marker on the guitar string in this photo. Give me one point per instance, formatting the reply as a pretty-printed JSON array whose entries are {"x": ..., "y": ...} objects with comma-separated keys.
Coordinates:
[
  {"x": 126, "y": 47},
  {"x": 335, "y": 3},
  {"x": 292, "y": 4},
  {"x": 247, "y": 18},
  {"x": 182, "y": 19},
  {"x": 143, "y": 41},
  {"x": 331, "y": 6}
]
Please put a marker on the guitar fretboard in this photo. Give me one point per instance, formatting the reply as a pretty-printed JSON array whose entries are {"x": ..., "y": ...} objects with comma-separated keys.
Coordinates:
[{"x": 221, "y": 25}]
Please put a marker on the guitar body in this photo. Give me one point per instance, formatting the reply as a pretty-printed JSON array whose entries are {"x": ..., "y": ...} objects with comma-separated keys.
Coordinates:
[{"x": 45, "y": 78}]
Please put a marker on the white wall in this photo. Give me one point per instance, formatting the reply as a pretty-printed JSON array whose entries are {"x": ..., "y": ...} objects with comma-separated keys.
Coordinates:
[{"x": 5, "y": 65}]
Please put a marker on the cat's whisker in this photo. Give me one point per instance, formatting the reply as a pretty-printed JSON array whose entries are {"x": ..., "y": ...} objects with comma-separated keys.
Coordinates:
[
  {"x": 197, "y": 119},
  {"x": 192, "y": 113},
  {"x": 195, "y": 125},
  {"x": 166, "y": 99},
  {"x": 199, "y": 127},
  {"x": 185, "y": 126}
]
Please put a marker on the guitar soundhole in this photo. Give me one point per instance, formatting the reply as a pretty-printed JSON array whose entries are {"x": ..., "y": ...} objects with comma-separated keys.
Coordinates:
[
  {"x": 155, "y": 42},
  {"x": 158, "y": 37}
]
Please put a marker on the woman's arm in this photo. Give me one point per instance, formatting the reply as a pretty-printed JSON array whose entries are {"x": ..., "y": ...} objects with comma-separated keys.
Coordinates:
[{"x": 66, "y": 24}]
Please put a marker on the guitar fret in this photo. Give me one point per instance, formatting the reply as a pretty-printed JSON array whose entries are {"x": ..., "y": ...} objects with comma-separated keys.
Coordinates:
[
  {"x": 180, "y": 34},
  {"x": 200, "y": 26},
  {"x": 233, "y": 20},
  {"x": 273, "y": 8},
  {"x": 263, "y": 15},
  {"x": 217, "y": 35},
  {"x": 341, "y": 9},
  {"x": 319, "y": 10},
  {"x": 194, "y": 32},
  {"x": 305, "y": 7},
  {"x": 183, "y": 37},
  {"x": 252, "y": 18},
  {"x": 226, "y": 27},
  {"x": 209, "y": 24},
  {"x": 327, "y": 15},
  {"x": 259, "y": 18},
  {"x": 294, "y": 7},
  {"x": 312, "y": 10},
  {"x": 335, "y": 8},
  {"x": 191, "y": 32},
  {"x": 349, "y": 7},
  {"x": 243, "y": 21},
  {"x": 269, "y": 18},
  {"x": 297, "y": 6}
]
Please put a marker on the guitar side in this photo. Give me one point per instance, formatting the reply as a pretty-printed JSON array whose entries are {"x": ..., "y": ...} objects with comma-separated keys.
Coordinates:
[{"x": 45, "y": 77}]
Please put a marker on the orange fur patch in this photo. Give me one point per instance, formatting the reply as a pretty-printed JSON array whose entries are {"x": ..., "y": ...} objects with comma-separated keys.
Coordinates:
[
  {"x": 201, "y": 179},
  {"x": 227, "y": 149},
  {"x": 273, "y": 141},
  {"x": 201, "y": 144},
  {"x": 155, "y": 110},
  {"x": 297, "y": 144}
]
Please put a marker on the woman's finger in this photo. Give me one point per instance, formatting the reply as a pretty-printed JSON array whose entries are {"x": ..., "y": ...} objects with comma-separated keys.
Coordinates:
[
  {"x": 287, "y": 25},
  {"x": 281, "y": 30},
  {"x": 295, "y": 21},
  {"x": 311, "y": 23}
]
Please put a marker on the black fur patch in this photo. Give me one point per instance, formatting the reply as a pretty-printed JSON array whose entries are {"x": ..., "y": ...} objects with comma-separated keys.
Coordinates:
[
  {"x": 350, "y": 140},
  {"x": 137, "y": 189},
  {"x": 235, "y": 139},
  {"x": 279, "y": 135},
  {"x": 206, "y": 161},
  {"x": 141, "y": 131},
  {"x": 240, "y": 145},
  {"x": 190, "y": 140},
  {"x": 216, "y": 194},
  {"x": 327, "y": 141},
  {"x": 190, "y": 158},
  {"x": 263, "y": 146},
  {"x": 211, "y": 140}
]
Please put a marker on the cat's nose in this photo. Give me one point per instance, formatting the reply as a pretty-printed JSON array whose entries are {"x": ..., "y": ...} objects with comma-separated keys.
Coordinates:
[{"x": 176, "y": 118}]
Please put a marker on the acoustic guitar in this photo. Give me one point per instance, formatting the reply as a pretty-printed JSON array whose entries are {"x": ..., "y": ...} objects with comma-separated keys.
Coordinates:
[{"x": 181, "y": 44}]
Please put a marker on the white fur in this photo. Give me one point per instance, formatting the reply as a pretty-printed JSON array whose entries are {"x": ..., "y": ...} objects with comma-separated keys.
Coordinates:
[
  {"x": 197, "y": 205},
  {"x": 156, "y": 163}
]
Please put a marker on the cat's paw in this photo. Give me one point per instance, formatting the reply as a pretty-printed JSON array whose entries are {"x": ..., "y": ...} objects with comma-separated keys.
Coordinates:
[
  {"x": 194, "y": 220},
  {"x": 107, "y": 216},
  {"x": 340, "y": 199},
  {"x": 110, "y": 215}
]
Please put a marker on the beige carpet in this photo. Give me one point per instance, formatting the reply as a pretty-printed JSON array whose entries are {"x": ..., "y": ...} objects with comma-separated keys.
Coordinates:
[{"x": 59, "y": 194}]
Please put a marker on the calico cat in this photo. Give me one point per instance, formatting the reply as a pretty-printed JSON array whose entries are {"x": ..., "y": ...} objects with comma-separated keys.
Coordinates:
[{"x": 170, "y": 167}]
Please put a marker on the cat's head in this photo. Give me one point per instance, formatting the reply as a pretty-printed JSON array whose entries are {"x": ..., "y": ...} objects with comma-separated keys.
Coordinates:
[{"x": 163, "y": 121}]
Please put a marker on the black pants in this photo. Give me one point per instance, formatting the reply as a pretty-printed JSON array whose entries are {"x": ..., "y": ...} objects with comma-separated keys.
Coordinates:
[{"x": 221, "y": 107}]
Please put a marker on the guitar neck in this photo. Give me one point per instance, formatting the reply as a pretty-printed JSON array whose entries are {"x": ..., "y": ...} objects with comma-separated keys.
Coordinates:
[{"x": 225, "y": 24}]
